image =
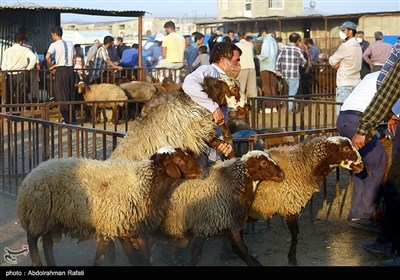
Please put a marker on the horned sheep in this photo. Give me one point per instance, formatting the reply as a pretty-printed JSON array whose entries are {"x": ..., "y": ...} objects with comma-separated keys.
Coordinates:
[
  {"x": 86, "y": 199},
  {"x": 305, "y": 166},
  {"x": 219, "y": 203}
]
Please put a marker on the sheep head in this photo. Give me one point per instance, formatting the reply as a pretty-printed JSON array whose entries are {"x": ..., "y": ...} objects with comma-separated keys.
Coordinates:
[
  {"x": 261, "y": 167},
  {"x": 82, "y": 87},
  {"x": 177, "y": 163},
  {"x": 341, "y": 152},
  {"x": 225, "y": 92}
]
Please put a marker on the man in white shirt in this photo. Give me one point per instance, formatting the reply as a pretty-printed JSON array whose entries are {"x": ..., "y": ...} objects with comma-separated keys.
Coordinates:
[
  {"x": 366, "y": 191},
  {"x": 17, "y": 59},
  {"x": 247, "y": 76},
  {"x": 347, "y": 60},
  {"x": 225, "y": 62},
  {"x": 63, "y": 71}
]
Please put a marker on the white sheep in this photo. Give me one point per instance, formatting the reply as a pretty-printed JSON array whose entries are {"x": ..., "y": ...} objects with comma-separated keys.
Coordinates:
[
  {"x": 175, "y": 119},
  {"x": 85, "y": 198},
  {"x": 219, "y": 203},
  {"x": 103, "y": 92},
  {"x": 305, "y": 166}
]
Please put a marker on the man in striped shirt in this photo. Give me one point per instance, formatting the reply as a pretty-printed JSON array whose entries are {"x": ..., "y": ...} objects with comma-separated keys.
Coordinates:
[
  {"x": 102, "y": 59},
  {"x": 288, "y": 62}
]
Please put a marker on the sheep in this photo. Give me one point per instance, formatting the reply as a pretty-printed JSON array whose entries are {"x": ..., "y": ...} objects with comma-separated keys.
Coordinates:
[
  {"x": 85, "y": 198},
  {"x": 139, "y": 90},
  {"x": 103, "y": 92},
  {"x": 175, "y": 119},
  {"x": 305, "y": 166},
  {"x": 219, "y": 203},
  {"x": 142, "y": 91}
]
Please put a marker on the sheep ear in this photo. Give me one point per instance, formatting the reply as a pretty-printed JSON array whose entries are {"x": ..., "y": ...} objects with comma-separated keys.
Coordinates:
[{"x": 171, "y": 168}]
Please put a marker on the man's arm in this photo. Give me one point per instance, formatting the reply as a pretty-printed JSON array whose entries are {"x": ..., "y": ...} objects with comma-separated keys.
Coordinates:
[
  {"x": 337, "y": 56},
  {"x": 384, "y": 99},
  {"x": 366, "y": 55},
  {"x": 32, "y": 60},
  {"x": 192, "y": 86}
]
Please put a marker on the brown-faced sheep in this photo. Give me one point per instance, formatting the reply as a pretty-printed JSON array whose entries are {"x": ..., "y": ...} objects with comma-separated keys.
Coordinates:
[
  {"x": 305, "y": 166},
  {"x": 175, "y": 119},
  {"x": 85, "y": 198},
  {"x": 219, "y": 203},
  {"x": 103, "y": 92}
]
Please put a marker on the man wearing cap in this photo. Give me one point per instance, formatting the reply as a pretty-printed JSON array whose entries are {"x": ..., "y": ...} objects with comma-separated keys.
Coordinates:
[{"x": 347, "y": 60}]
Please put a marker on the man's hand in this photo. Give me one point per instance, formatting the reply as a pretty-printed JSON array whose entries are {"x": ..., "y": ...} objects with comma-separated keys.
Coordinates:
[
  {"x": 225, "y": 149},
  {"x": 392, "y": 124},
  {"x": 336, "y": 66},
  {"x": 219, "y": 116},
  {"x": 358, "y": 141}
]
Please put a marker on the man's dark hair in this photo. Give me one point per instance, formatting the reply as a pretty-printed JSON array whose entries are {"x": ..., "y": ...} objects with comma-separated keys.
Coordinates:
[
  {"x": 223, "y": 49},
  {"x": 241, "y": 34},
  {"x": 203, "y": 49},
  {"x": 19, "y": 37},
  {"x": 57, "y": 30},
  {"x": 77, "y": 45},
  {"x": 249, "y": 38},
  {"x": 108, "y": 39},
  {"x": 187, "y": 36},
  {"x": 231, "y": 31},
  {"x": 198, "y": 36},
  {"x": 169, "y": 24},
  {"x": 262, "y": 29},
  {"x": 120, "y": 39},
  {"x": 135, "y": 46},
  {"x": 294, "y": 37},
  {"x": 227, "y": 39},
  {"x": 360, "y": 32}
]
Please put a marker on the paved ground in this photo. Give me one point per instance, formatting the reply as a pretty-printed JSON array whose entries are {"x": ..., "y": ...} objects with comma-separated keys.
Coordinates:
[{"x": 323, "y": 243}]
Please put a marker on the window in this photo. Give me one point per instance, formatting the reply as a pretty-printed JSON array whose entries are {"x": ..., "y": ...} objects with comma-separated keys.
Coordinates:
[
  {"x": 248, "y": 5},
  {"x": 275, "y": 4}
]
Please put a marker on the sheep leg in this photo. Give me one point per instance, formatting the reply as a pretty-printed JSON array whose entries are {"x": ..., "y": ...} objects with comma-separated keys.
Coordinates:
[
  {"x": 144, "y": 247},
  {"x": 33, "y": 249},
  {"x": 104, "y": 113},
  {"x": 101, "y": 250},
  {"x": 294, "y": 231},
  {"x": 132, "y": 253},
  {"x": 111, "y": 251},
  {"x": 197, "y": 250},
  {"x": 48, "y": 249},
  {"x": 239, "y": 244},
  {"x": 226, "y": 133}
]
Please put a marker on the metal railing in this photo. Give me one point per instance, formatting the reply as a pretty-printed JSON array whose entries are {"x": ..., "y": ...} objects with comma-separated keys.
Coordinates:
[
  {"x": 307, "y": 114},
  {"x": 26, "y": 142}
]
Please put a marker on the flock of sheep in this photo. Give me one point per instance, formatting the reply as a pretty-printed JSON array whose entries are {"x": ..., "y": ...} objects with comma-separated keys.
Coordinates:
[{"x": 152, "y": 186}]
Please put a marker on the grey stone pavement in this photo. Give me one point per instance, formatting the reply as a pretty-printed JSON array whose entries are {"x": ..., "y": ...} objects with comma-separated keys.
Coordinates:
[{"x": 68, "y": 252}]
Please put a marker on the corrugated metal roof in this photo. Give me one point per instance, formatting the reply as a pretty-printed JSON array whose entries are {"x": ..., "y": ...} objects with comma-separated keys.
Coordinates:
[
  {"x": 72, "y": 10},
  {"x": 311, "y": 16}
]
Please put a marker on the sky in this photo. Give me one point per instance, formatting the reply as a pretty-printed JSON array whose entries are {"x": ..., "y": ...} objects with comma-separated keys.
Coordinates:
[{"x": 200, "y": 8}]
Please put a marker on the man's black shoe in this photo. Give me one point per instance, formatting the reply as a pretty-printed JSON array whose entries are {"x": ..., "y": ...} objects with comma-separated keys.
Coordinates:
[
  {"x": 381, "y": 249},
  {"x": 364, "y": 224}
]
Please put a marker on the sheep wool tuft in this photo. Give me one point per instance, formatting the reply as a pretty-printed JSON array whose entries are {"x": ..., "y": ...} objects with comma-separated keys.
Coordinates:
[{"x": 169, "y": 119}]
